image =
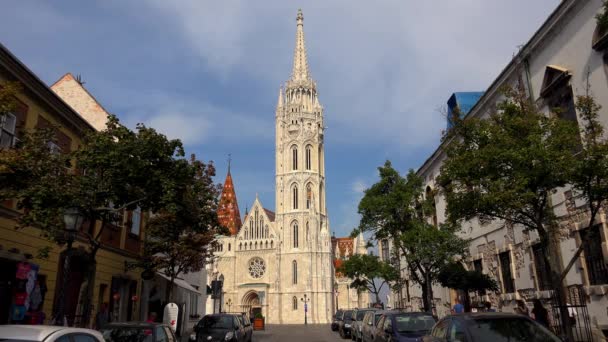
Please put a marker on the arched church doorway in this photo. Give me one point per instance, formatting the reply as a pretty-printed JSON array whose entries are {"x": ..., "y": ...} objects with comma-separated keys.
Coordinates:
[{"x": 251, "y": 303}]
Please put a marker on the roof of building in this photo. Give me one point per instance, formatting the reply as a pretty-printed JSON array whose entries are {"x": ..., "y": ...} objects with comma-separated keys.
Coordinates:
[
  {"x": 34, "y": 84},
  {"x": 270, "y": 214},
  {"x": 228, "y": 211}
]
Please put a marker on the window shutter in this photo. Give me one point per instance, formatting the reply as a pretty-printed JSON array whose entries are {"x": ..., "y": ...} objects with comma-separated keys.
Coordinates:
[
  {"x": 63, "y": 141},
  {"x": 21, "y": 115}
]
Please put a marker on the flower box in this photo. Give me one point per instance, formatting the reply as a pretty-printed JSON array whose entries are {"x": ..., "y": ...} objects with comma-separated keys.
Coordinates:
[{"x": 258, "y": 324}]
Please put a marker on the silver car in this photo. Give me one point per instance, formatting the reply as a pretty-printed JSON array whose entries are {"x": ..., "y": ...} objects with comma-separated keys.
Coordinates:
[
  {"x": 48, "y": 333},
  {"x": 357, "y": 325}
]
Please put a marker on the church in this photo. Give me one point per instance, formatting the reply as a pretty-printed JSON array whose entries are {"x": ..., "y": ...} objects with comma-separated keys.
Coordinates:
[{"x": 280, "y": 263}]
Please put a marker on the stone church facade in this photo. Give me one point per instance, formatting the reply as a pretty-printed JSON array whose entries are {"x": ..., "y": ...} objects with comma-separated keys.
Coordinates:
[{"x": 278, "y": 262}]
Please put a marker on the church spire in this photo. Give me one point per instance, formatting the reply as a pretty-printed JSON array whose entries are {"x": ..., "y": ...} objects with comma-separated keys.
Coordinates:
[
  {"x": 228, "y": 212},
  {"x": 300, "y": 62}
]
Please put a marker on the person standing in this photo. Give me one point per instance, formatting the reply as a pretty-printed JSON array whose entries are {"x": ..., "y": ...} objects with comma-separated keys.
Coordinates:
[
  {"x": 541, "y": 315},
  {"x": 488, "y": 306},
  {"x": 102, "y": 317},
  {"x": 522, "y": 308},
  {"x": 458, "y": 308}
]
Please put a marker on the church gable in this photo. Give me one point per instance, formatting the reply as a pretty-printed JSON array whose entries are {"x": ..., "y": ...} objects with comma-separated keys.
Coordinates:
[{"x": 258, "y": 224}]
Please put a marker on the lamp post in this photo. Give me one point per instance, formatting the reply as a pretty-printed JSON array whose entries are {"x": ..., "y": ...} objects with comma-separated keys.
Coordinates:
[
  {"x": 73, "y": 220},
  {"x": 305, "y": 300},
  {"x": 229, "y": 304}
]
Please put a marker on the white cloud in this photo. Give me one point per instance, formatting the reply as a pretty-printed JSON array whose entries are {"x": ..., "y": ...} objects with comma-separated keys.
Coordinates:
[{"x": 383, "y": 69}]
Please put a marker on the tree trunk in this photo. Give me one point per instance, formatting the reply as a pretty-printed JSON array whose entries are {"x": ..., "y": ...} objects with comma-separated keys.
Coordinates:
[
  {"x": 555, "y": 269},
  {"x": 427, "y": 294},
  {"x": 169, "y": 290}
]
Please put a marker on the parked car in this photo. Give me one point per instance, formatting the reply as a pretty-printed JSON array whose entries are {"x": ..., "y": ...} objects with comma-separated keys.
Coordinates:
[
  {"x": 369, "y": 325},
  {"x": 220, "y": 327},
  {"x": 137, "y": 332},
  {"x": 476, "y": 327},
  {"x": 357, "y": 324},
  {"x": 247, "y": 327},
  {"x": 47, "y": 333},
  {"x": 336, "y": 320},
  {"x": 345, "y": 324},
  {"x": 403, "y": 326}
]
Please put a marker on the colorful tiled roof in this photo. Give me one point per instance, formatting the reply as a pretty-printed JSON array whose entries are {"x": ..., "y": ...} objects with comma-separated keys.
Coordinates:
[{"x": 228, "y": 212}]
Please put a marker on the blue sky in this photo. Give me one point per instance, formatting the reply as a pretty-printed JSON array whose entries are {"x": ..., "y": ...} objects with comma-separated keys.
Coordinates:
[{"x": 208, "y": 72}]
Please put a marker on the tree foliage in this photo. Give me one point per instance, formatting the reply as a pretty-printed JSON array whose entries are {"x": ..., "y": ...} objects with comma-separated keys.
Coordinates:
[
  {"x": 395, "y": 208},
  {"x": 368, "y": 273},
  {"x": 507, "y": 167},
  {"x": 182, "y": 233},
  {"x": 113, "y": 170}
]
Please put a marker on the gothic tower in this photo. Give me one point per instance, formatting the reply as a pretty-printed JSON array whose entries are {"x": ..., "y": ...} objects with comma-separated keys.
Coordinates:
[{"x": 304, "y": 253}]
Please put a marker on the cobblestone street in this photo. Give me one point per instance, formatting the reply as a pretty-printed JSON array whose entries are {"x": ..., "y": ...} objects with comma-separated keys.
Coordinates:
[{"x": 297, "y": 333}]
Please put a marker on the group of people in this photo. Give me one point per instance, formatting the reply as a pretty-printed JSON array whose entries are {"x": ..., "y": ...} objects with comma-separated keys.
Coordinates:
[{"x": 539, "y": 313}]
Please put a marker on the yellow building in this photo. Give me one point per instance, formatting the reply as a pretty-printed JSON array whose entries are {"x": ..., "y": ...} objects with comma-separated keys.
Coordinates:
[{"x": 39, "y": 106}]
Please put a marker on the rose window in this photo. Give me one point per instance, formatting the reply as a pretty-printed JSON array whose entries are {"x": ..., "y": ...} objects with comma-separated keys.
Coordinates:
[{"x": 257, "y": 267}]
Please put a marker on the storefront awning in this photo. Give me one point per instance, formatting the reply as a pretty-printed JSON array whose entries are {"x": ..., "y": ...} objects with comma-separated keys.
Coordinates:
[{"x": 181, "y": 283}]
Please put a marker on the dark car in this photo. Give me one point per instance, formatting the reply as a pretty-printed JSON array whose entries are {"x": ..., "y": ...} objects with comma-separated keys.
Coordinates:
[
  {"x": 477, "y": 327},
  {"x": 137, "y": 332},
  {"x": 247, "y": 327},
  {"x": 403, "y": 326},
  {"x": 345, "y": 324},
  {"x": 220, "y": 327},
  {"x": 369, "y": 325},
  {"x": 336, "y": 321},
  {"x": 357, "y": 324}
]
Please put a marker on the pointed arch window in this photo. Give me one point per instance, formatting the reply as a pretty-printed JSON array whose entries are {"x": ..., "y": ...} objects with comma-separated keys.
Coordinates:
[
  {"x": 294, "y": 303},
  {"x": 308, "y": 157},
  {"x": 295, "y": 235},
  {"x": 294, "y": 269},
  {"x": 308, "y": 195},
  {"x": 295, "y": 196},
  {"x": 251, "y": 228},
  {"x": 294, "y": 157}
]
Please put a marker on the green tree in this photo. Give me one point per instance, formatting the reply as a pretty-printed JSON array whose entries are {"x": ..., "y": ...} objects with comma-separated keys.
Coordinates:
[
  {"x": 455, "y": 276},
  {"x": 182, "y": 233},
  {"x": 114, "y": 170},
  {"x": 368, "y": 273},
  {"x": 507, "y": 166},
  {"x": 395, "y": 208}
]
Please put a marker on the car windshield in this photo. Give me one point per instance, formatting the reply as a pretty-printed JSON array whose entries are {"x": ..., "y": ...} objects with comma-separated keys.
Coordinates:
[
  {"x": 376, "y": 319},
  {"x": 414, "y": 323},
  {"x": 361, "y": 314},
  {"x": 217, "y": 322},
  {"x": 511, "y": 330},
  {"x": 127, "y": 334},
  {"x": 338, "y": 314},
  {"x": 348, "y": 314}
]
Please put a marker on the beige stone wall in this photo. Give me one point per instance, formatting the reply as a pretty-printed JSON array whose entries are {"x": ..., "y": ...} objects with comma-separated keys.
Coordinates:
[{"x": 75, "y": 95}]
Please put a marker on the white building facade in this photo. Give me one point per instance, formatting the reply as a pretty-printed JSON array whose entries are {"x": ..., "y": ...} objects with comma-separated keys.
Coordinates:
[
  {"x": 279, "y": 262},
  {"x": 554, "y": 68}
]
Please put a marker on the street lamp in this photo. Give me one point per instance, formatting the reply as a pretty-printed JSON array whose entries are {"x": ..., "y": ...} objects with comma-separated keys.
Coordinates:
[
  {"x": 73, "y": 220},
  {"x": 229, "y": 304},
  {"x": 305, "y": 300}
]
